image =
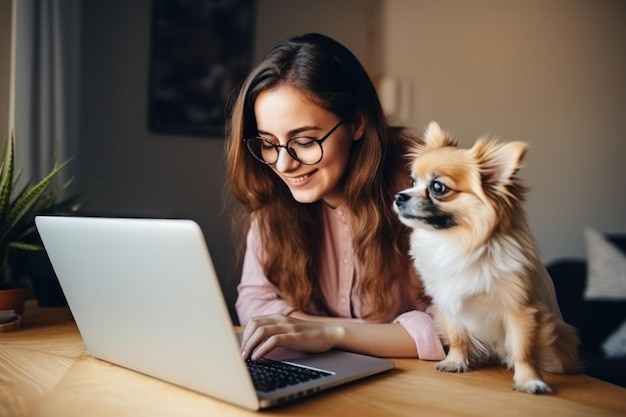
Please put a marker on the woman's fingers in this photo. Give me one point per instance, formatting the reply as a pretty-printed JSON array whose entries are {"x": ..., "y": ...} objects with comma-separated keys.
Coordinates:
[
  {"x": 251, "y": 329},
  {"x": 257, "y": 331},
  {"x": 263, "y": 334}
]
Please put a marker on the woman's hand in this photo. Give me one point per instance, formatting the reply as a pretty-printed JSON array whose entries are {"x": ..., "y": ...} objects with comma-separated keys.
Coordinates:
[
  {"x": 319, "y": 334},
  {"x": 265, "y": 333}
]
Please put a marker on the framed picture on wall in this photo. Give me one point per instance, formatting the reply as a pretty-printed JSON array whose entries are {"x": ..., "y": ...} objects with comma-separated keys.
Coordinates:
[{"x": 201, "y": 50}]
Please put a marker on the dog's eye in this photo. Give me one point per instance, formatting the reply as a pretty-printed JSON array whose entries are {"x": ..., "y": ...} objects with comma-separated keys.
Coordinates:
[
  {"x": 413, "y": 183},
  {"x": 438, "y": 188}
]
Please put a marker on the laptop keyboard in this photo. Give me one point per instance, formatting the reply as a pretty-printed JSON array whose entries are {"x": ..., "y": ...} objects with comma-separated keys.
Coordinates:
[{"x": 269, "y": 375}]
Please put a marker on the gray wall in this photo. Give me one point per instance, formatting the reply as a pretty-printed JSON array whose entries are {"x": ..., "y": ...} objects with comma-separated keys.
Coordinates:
[{"x": 548, "y": 72}]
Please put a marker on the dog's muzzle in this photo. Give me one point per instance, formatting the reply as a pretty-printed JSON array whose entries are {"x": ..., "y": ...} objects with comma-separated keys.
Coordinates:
[
  {"x": 413, "y": 211},
  {"x": 402, "y": 205},
  {"x": 401, "y": 199}
]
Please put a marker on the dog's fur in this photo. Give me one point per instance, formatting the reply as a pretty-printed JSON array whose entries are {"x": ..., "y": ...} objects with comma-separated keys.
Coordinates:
[{"x": 474, "y": 251}]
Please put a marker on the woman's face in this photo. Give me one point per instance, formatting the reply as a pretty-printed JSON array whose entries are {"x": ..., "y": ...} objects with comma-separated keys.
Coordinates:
[{"x": 285, "y": 112}]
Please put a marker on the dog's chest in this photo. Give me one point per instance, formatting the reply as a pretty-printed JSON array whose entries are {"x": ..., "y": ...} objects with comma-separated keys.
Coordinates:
[
  {"x": 475, "y": 305},
  {"x": 446, "y": 274},
  {"x": 472, "y": 284},
  {"x": 473, "y": 290}
]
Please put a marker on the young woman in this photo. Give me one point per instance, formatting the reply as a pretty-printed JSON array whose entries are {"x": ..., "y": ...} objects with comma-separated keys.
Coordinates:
[{"x": 315, "y": 164}]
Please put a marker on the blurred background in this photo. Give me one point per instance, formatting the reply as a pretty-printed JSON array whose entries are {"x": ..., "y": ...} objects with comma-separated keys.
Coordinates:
[{"x": 548, "y": 72}]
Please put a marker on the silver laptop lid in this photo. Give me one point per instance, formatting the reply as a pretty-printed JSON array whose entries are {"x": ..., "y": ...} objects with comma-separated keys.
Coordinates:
[{"x": 121, "y": 275}]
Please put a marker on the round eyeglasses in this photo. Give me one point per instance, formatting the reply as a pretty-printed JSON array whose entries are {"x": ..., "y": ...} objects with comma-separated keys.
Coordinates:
[{"x": 303, "y": 149}]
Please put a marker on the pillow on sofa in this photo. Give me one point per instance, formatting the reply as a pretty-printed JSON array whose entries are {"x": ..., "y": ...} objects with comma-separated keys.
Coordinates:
[
  {"x": 615, "y": 345},
  {"x": 606, "y": 279}
]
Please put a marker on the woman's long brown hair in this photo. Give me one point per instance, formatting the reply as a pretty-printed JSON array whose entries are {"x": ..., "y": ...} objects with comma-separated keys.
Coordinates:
[{"x": 290, "y": 231}]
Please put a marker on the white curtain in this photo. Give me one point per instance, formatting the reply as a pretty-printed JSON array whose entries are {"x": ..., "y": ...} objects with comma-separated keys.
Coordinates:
[{"x": 47, "y": 62}]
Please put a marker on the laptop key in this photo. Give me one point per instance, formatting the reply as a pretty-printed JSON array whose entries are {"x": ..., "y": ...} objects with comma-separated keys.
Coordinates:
[{"x": 269, "y": 375}]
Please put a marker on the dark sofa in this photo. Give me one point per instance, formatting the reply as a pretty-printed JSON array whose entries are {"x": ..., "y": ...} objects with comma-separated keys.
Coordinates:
[{"x": 595, "y": 320}]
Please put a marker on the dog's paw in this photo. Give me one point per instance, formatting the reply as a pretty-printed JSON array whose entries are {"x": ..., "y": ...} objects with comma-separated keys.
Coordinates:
[
  {"x": 534, "y": 386},
  {"x": 449, "y": 365}
]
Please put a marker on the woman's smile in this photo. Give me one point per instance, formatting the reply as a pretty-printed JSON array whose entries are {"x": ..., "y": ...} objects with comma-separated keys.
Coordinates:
[{"x": 299, "y": 180}]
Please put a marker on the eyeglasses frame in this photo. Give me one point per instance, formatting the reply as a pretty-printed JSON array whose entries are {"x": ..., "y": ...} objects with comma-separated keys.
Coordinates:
[{"x": 276, "y": 146}]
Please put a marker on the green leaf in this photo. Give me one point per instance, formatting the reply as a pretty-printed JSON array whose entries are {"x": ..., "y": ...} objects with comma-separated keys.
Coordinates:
[
  {"x": 6, "y": 179},
  {"x": 31, "y": 196},
  {"x": 25, "y": 246},
  {"x": 19, "y": 209}
]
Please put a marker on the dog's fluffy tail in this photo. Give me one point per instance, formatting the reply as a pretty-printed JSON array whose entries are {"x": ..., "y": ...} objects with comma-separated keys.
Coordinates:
[
  {"x": 563, "y": 354},
  {"x": 567, "y": 345}
]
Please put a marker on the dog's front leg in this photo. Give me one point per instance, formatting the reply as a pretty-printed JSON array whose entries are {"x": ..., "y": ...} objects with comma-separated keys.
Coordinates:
[
  {"x": 457, "y": 359},
  {"x": 521, "y": 337}
]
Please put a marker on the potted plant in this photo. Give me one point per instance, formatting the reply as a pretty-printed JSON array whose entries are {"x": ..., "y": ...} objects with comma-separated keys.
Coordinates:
[{"x": 18, "y": 209}]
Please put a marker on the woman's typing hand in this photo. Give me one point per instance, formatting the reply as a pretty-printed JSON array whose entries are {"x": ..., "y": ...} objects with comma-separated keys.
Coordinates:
[{"x": 265, "y": 333}]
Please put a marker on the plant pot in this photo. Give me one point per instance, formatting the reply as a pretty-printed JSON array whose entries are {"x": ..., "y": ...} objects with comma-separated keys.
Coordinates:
[
  {"x": 13, "y": 298},
  {"x": 35, "y": 267}
]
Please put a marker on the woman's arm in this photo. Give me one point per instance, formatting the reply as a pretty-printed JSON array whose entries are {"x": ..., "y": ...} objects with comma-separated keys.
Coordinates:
[
  {"x": 265, "y": 333},
  {"x": 412, "y": 334}
]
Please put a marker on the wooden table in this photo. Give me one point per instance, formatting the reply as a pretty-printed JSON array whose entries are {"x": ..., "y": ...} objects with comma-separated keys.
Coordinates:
[{"x": 45, "y": 370}]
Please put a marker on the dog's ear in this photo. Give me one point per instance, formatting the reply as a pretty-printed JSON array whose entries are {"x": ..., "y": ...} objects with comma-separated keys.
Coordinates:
[
  {"x": 435, "y": 137},
  {"x": 499, "y": 162}
]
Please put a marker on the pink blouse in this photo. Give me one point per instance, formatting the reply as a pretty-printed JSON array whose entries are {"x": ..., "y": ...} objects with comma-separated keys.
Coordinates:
[{"x": 339, "y": 272}]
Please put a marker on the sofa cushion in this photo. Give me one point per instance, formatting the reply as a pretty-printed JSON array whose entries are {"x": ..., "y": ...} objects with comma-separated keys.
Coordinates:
[
  {"x": 595, "y": 320},
  {"x": 606, "y": 268},
  {"x": 615, "y": 345}
]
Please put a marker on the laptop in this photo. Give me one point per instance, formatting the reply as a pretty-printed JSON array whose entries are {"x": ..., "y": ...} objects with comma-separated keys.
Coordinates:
[{"x": 145, "y": 296}]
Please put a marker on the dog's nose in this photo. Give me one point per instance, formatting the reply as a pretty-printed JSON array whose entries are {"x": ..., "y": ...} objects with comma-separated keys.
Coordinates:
[{"x": 401, "y": 198}]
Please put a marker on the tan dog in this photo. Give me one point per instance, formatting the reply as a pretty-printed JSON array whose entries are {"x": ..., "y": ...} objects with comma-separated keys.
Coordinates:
[{"x": 479, "y": 262}]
